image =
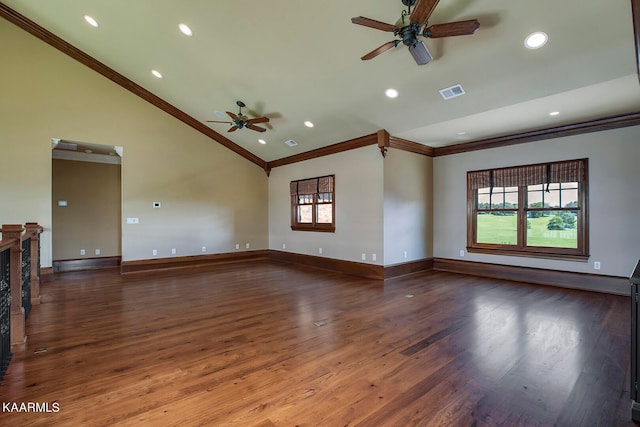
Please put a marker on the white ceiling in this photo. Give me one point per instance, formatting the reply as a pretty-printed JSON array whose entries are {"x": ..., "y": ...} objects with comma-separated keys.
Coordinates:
[{"x": 300, "y": 60}]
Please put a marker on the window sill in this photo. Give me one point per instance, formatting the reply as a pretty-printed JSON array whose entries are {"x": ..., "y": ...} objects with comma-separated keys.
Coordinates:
[
  {"x": 530, "y": 253},
  {"x": 312, "y": 228}
]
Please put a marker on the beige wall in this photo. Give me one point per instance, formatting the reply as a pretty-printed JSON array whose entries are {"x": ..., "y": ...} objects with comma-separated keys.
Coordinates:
[
  {"x": 408, "y": 207},
  {"x": 91, "y": 219},
  {"x": 359, "y": 207},
  {"x": 383, "y": 207},
  {"x": 210, "y": 196},
  {"x": 614, "y": 198}
]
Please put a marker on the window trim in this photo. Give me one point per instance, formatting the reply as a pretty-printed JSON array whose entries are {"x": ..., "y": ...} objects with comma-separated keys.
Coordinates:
[
  {"x": 313, "y": 226},
  {"x": 581, "y": 253}
]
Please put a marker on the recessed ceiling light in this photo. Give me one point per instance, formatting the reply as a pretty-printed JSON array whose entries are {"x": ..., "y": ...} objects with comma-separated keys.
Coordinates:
[
  {"x": 91, "y": 21},
  {"x": 536, "y": 40},
  {"x": 554, "y": 113},
  {"x": 262, "y": 141},
  {"x": 461, "y": 133},
  {"x": 156, "y": 73},
  {"x": 308, "y": 124},
  {"x": 185, "y": 30},
  {"x": 391, "y": 93}
]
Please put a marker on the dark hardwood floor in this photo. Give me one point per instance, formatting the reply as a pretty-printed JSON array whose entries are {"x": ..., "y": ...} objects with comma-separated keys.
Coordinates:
[{"x": 277, "y": 345}]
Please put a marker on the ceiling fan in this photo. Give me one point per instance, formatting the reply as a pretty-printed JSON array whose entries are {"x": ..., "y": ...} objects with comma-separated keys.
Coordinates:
[
  {"x": 414, "y": 24},
  {"x": 240, "y": 121}
]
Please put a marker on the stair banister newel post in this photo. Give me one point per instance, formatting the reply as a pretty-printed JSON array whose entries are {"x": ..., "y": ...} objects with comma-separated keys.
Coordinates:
[
  {"x": 18, "y": 337},
  {"x": 34, "y": 230}
]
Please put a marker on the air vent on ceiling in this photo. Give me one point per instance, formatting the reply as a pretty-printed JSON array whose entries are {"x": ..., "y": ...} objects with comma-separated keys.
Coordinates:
[
  {"x": 452, "y": 92},
  {"x": 291, "y": 143}
]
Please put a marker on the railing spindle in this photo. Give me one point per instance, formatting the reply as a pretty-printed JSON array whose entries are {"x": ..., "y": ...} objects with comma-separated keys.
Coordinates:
[{"x": 5, "y": 311}]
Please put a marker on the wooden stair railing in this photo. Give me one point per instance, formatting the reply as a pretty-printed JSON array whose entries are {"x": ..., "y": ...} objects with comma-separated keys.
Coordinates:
[
  {"x": 18, "y": 337},
  {"x": 19, "y": 285},
  {"x": 34, "y": 230},
  {"x": 5, "y": 304}
]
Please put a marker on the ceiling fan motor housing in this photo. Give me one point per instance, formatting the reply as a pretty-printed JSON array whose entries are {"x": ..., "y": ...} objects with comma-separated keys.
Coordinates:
[{"x": 409, "y": 33}]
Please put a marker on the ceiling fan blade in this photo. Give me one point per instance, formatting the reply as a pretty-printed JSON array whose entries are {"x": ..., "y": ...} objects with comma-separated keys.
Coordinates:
[
  {"x": 256, "y": 128},
  {"x": 258, "y": 120},
  {"x": 420, "y": 53},
  {"x": 233, "y": 129},
  {"x": 422, "y": 11},
  {"x": 377, "y": 51},
  {"x": 216, "y": 121},
  {"x": 233, "y": 116},
  {"x": 372, "y": 23},
  {"x": 460, "y": 28}
]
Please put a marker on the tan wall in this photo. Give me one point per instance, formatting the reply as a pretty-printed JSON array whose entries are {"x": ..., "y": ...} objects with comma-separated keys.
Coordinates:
[
  {"x": 359, "y": 206},
  {"x": 408, "y": 207},
  {"x": 614, "y": 199},
  {"x": 91, "y": 219},
  {"x": 210, "y": 196}
]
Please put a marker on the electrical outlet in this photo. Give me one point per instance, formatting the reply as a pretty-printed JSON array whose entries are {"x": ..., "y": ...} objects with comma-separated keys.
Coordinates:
[
  {"x": 133, "y": 221},
  {"x": 364, "y": 257},
  {"x": 373, "y": 257},
  {"x": 97, "y": 251},
  {"x": 284, "y": 246},
  {"x": 237, "y": 245},
  {"x": 461, "y": 252},
  {"x": 204, "y": 249},
  {"x": 173, "y": 251},
  {"x": 247, "y": 245},
  {"x": 154, "y": 252},
  {"x": 320, "y": 251},
  {"x": 596, "y": 265},
  {"x": 405, "y": 254},
  {"x": 82, "y": 251}
]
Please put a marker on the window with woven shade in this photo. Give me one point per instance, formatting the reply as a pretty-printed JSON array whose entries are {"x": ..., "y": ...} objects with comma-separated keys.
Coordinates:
[
  {"x": 312, "y": 204},
  {"x": 536, "y": 210}
]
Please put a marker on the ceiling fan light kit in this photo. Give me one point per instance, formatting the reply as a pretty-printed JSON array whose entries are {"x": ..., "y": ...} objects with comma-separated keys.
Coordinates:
[
  {"x": 240, "y": 121},
  {"x": 413, "y": 24}
]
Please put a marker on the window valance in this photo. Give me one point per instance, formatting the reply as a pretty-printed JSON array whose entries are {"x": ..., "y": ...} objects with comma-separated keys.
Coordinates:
[
  {"x": 542, "y": 173},
  {"x": 323, "y": 184}
]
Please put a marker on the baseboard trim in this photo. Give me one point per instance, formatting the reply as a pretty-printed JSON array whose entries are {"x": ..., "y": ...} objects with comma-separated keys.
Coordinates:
[
  {"x": 404, "y": 268},
  {"x": 190, "y": 262},
  {"x": 66, "y": 265},
  {"x": 46, "y": 274},
  {"x": 360, "y": 269},
  {"x": 564, "y": 279}
]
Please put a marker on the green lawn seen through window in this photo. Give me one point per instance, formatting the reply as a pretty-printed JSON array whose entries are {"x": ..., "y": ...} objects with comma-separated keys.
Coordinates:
[{"x": 502, "y": 230}]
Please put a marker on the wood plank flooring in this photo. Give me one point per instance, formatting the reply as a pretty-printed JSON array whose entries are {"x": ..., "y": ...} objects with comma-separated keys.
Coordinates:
[{"x": 265, "y": 344}]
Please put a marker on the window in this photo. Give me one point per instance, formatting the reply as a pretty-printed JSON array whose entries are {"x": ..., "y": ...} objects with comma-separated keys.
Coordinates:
[
  {"x": 534, "y": 210},
  {"x": 312, "y": 204}
]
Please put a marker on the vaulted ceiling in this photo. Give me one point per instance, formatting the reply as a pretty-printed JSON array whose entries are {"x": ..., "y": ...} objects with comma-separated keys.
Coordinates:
[{"x": 297, "y": 61}]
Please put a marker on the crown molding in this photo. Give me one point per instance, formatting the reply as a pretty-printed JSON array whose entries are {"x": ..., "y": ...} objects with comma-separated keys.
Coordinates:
[
  {"x": 351, "y": 144},
  {"x": 48, "y": 37},
  {"x": 596, "y": 125}
]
